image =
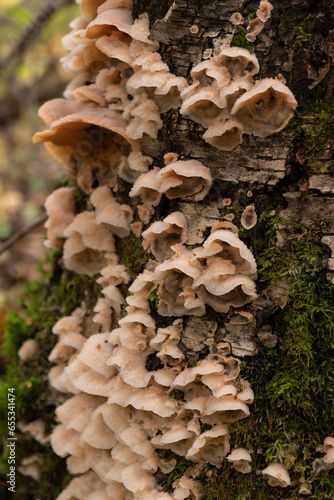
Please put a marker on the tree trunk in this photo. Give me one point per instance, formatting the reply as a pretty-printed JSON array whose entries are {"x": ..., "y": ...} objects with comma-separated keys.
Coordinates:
[{"x": 285, "y": 347}]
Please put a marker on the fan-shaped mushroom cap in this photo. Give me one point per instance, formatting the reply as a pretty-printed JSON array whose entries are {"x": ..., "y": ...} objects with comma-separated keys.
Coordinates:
[
  {"x": 240, "y": 458},
  {"x": 143, "y": 116},
  {"x": 148, "y": 186},
  {"x": 264, "y": 11},
  {"x": 36, "y": 429},
  {"x": 329, "y": 458},
  {"x": 115, "y": 4},
  {"x": 175, "y": 291},
  {"x": 80, "y": 487},
  {"x": 152, "y": 398},
  {"x": 211, "y": 446},
  {"x": 304, "y": 489},
  {"x": 96, "y": 352},
  {"x": 224, "y": 135},
  {"x": 133, "y": 166},
  {"x": 116, "y": 46},
  {"x": 89, "y": 94},
  {"x": 30, "y": 466},
  {"x": 84, "y": 251},
  {"x": 328, "y": 444},
  {"x": 237, "y": 18},
  {"x": 217, "y": 384},
  {"x": 114, "y": 273},
  {"x": 228, "y": 246},
  {"x": 110, "y": 212},
  {"x": 238, "y": 61},
  {"x": 204, "y": 106},
  {"x": 27, "y": 350},
  {"x": 278, "y": 476},
  {"x": 59, "y": 379},
  {"x": 82, "y": 135},
  {"x": 131, "y": 366},
  {"x": 85, "y": 379},
  {"x": 161, "y": 86},
  {"x": 103, "y": 314},
  {"x": 265, "y": 109},
  {"x": 208, "y": 74},
  {"x": 97, "y": 434},
  {"x": 141, "y": 288},
  {"x": 248, "y": 217},
  {"x": 186, "y": 487},
  {"x": 254, "y": 28},
  {"x": 60, "y": 207},
  {"x": 76, "y": 412},
  {"x": 109, "y": 20},
  {"x": 182, "y": 179},
  {"x": 178, "y": 439},
  {"x": 68, "y": 343},
  {"x": 227, "y": 408},
  {"x": 135, "y": 479},
  {"x": 225, "y": 225},
  {"x": 162, "y": 235},
  {"x": 115, "y": 297},
  {"x": 188, "y": 375},
  {"x": 66, "y": 442}
]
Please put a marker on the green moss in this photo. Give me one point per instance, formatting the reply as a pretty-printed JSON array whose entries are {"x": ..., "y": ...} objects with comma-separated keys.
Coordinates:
[
  {"x": 240, "y": 40},
  {"x": 293, "y": 410},
  {"x": 310, "y": 130},
  {"x": 176, "y": 394},
  {"x": 57, "y": 294},
  {"x": 131, "y": 254}
]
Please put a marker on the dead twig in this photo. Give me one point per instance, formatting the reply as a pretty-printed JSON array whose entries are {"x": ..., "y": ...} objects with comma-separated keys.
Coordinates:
[
  {"x": 33, "y": 30},
  {"x": 22, "y": 232}
]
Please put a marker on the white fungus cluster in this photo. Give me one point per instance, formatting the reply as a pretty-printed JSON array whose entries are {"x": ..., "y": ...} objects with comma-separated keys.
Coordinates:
[
  {"x": 226, "y": 100},
  {"x": 121, "y": 412},
  {"x": 327, "y": 461},
  {"x": 130, "y": 390}
]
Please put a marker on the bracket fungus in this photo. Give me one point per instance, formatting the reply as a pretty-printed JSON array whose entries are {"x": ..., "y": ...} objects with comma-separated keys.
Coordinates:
[
  {"x": 162, "y": 235},
  {"x": 123, "y": 374}
]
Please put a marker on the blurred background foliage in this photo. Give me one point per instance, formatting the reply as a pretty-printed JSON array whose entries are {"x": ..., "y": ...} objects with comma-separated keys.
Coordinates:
[{"x": 30, "y": 74}]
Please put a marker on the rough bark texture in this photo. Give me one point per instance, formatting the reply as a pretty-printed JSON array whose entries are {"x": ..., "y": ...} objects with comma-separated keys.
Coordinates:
[{"x": 287, "y": 350}]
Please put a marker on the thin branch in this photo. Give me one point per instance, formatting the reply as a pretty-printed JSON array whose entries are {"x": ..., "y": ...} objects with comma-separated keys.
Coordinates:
[
  {"x": 33, "y": 30},
  {"x": 22, "y": 232}
]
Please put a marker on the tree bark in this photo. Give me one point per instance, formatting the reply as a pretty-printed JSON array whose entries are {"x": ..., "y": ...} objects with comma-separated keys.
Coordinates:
[{"x": 286, "y": 351}]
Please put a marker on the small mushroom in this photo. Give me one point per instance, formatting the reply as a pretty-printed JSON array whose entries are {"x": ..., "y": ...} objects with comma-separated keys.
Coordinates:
[
  {"x": 266, "y": 108},
  {"x": 264, "y": 11},
  {"x": 248, "y": 217},
  {"x": 241, "y": 460},
  {"x": 278, "y": 476}
]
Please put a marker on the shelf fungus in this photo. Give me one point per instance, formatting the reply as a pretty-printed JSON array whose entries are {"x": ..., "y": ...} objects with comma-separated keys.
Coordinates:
[
  {"x": 60, "y": 207},
  {"x": 84, "y": 253},
  {"x": 124, "y": 367},
  {"x": 162, "y": 235},
  {"x": 224, "y": 84},
  {"x": 178, "y": 179},
  {"x": 84, "y": 138}
]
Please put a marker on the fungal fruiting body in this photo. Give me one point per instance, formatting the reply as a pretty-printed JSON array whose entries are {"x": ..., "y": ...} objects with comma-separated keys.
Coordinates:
[{"x": 122, "y": 373}]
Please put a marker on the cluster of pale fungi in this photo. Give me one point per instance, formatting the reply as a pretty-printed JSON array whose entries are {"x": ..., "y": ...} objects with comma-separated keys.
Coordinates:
[{"x": 119, "y": 413}]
